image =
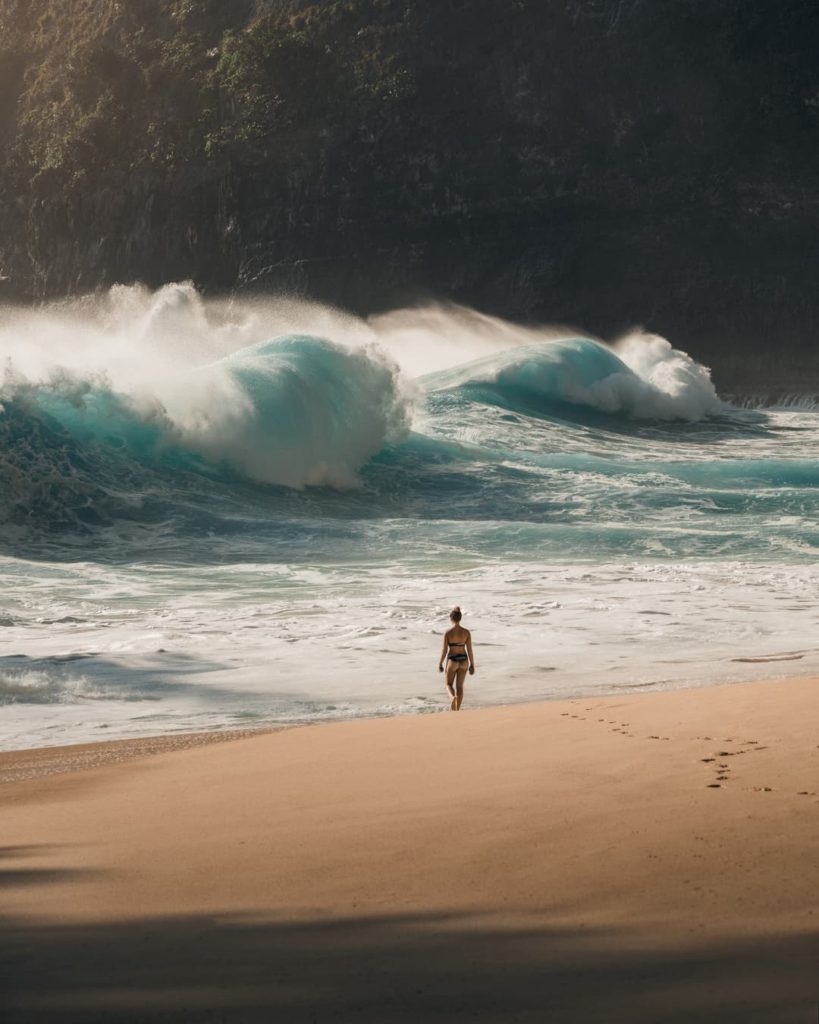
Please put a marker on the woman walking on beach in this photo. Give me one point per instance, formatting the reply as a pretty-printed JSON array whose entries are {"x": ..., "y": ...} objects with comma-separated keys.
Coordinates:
[{"x": 457, "y": 653}]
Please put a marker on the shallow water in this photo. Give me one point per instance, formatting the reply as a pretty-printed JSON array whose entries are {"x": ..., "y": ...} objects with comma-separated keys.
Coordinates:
[{"x": 223, "y": 529}]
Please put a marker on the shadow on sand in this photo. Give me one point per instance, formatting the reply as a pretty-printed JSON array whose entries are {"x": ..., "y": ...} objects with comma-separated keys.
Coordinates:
[{"x": 390, "y": 969}]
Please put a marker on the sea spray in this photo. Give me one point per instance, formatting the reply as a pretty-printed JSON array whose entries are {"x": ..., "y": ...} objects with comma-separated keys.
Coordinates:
[
  {"x": 303, "y": 412},
  {"x": 216, "y": 513},
  {"x": 164, "y": 408},
  {"x": 679, "y": 387},
  {"x": 293, "y": 412},
  {"x": 650, "y": 381}
]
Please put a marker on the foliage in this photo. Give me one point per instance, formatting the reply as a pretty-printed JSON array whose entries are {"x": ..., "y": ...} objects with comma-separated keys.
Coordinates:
[{"x": 537, "y": 151}]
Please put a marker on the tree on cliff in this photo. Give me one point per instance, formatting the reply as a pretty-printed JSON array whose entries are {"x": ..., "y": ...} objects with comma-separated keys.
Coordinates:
[{"x": 598, "y": 161}]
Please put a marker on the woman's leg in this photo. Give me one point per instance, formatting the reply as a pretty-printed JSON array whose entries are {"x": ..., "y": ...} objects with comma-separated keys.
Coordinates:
[
  {"x": 459, "y": 685},
  {"x": 451, "y": 671}
]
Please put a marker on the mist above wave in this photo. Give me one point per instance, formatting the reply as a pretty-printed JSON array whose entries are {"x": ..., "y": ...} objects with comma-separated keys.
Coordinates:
[
  {"x": 112, "y": 400},
  {"x": 156, "y": 379}
]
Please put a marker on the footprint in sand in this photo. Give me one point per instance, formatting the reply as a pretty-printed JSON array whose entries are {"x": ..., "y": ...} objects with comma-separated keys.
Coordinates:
[
  {"x": 707, "y": 760},
  {"x": 713, "y": 785}
]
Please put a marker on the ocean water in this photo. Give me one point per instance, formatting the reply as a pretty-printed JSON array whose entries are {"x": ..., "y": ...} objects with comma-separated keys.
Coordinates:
[{"x": 222, "y": 514}]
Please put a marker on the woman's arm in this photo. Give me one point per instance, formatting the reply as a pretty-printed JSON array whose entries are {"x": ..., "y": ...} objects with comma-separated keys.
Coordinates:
[
  {"x": 443, "y": 655},
  {"x": 469, "y": 652}
]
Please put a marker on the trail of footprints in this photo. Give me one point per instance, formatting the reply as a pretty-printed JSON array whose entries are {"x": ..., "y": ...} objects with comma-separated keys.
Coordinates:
[
  {"x": 621, "y": 727},
  {"x": 721, "y": 766}
]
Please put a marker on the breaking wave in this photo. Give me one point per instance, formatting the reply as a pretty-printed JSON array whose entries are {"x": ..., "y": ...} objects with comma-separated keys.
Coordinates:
[
  {"x": 32, "y": 686},
  {"x": 161, "y": 408},
  {"x": 645, "y": 379},
  {"x": 293, "y": 412}
]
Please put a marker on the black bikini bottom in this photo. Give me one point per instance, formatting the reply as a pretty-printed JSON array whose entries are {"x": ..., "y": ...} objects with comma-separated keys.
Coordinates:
[{"x": 457, "y": 657}]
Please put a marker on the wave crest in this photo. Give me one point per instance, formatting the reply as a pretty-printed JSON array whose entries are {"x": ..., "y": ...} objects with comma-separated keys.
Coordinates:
[
  {"x": 303, "y": 411},
  {"x": 644, "y": 378},
  {"x": 296, "y": 411},
  {"x": 27, "y": 686}
]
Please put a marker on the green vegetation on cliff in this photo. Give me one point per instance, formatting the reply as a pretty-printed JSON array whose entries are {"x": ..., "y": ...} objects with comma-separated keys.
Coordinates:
[{"x": 601, "y": 161}]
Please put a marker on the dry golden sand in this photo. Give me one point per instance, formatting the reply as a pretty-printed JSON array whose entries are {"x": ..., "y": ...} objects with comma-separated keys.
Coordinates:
[{"x": 562, "y": 862}]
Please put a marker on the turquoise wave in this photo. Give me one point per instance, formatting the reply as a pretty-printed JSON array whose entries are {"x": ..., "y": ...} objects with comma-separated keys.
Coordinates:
[
  {"x": 298, "y": 448},
  {"x": 552, "y": 376}
]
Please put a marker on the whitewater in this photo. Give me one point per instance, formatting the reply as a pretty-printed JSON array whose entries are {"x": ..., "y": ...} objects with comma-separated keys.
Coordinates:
[{"x": 228, "y": 513}]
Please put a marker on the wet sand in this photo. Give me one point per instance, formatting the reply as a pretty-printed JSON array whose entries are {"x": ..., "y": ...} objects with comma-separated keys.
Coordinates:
[
  {"x": 24, "y": 765},
  {"x": 641, "y": 858}
]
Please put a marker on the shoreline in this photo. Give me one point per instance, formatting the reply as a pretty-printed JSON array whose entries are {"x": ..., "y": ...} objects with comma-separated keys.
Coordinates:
[
  {"x": 26, "y": 763},
  {"x": 40, "y": 762}
]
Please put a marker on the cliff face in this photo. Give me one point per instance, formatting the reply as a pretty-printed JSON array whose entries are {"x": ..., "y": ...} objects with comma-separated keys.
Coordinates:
[{"x": 601, "y": 162}]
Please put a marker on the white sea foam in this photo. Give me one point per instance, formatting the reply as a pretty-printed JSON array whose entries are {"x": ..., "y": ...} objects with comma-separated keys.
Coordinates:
[
  {"x": 651, "y": 381},
  {"x": 678, "y": 386},
  {"x": 590, "y": 553},
  {"x": 257, "y": 644},
  {"x": 300, "y": 411},
  {"x": 26, "y": 686}
]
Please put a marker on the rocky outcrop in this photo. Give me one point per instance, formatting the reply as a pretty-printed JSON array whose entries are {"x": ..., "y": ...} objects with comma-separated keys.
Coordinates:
[{"x": 603, "y": 163}]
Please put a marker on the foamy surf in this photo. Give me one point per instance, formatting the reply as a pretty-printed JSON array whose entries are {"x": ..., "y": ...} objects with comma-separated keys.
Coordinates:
[
  {"x": 245, "y": 513},
  {"x": 661, "y": 383}
]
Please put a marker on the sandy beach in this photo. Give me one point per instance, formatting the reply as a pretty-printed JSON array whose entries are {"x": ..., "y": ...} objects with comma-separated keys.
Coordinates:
[{"x": 649, "y": 857}]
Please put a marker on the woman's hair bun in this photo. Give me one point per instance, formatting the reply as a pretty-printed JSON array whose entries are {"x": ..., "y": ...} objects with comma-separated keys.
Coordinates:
[{"x": 455, "y": 614}]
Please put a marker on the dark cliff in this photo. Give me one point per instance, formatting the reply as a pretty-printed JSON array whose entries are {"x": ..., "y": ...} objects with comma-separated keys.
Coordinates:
[{"x": 598, "y": 162}]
